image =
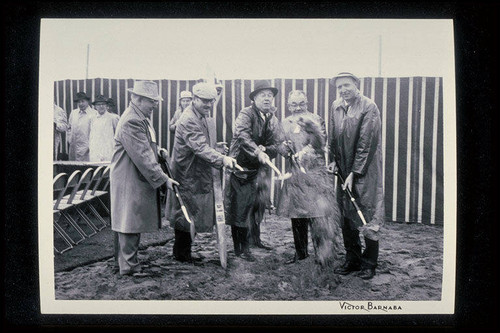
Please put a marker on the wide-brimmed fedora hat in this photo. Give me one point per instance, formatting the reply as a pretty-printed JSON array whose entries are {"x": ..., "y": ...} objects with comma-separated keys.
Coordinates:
[
  {"x": 100, "y": 99},
  {"x": 111, "y": 102},
  {"x": 344, "y": 74},
  {"x": 81, "y": 95},
  {"x": 147, "y": 89},
  {"x": 261, "y": 85}
]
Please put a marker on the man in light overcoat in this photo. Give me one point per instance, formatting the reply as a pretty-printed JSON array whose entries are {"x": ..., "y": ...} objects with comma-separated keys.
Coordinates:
[{"x": 136, "y": 177}]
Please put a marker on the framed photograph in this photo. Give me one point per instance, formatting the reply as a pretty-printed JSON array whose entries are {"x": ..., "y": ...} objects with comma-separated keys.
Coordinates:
[{"x": 406, "y": 67}]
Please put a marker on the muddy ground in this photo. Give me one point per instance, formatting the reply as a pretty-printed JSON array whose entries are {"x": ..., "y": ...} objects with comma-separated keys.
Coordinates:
[{"x": 410, "y": 269}]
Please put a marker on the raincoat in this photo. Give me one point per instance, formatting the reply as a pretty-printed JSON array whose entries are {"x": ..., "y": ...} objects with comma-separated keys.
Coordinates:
[
  {"x": 192, "y": 158},
  {"x": 251, "y": 130},
  {"x": 60, "y": 126},
  {"x": 135, "y": 175},
  {"x": 311, "y": 194},
  {"x": 356, "y": 145},
  {"x": 78, "y": 133},
  {"x": 102, "y": 131}
]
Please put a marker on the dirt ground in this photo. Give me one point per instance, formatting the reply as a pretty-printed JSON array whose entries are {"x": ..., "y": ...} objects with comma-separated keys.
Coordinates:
[{"x": 410, "y": 269}]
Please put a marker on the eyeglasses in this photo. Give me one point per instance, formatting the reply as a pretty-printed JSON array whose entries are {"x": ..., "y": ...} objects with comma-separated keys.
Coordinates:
[
  {"x": 206, "y": 101},
  {"x": 152, "y": 101}
]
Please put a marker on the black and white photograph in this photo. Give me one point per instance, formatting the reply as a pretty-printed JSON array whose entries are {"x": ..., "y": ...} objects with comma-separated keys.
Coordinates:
[{"x": 247, "y": 166}]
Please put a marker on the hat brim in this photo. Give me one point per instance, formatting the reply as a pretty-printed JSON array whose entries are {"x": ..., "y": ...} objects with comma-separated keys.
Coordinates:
[
  {"x": 157, "y": 98},
  {"x": 79, "y": 99},
  {"x": 253, "y": 93},
  {"x": 333, "y": 79}
]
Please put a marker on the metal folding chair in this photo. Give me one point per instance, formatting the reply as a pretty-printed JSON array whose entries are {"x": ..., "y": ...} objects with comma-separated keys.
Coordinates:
[
  {"x": 101, "y": 189},
  {"x": 59, "y": 184},
  {"x": 60, "y": 213},
  {"x": 70, "y": 203},
  {"x": 85, "y": 201}
]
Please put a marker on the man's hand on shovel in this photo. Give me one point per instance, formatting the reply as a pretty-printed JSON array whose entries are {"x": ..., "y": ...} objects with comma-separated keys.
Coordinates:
[
  {"x": 348, "y": 182},
  {"x": 228, "y": 162},
  {"x": 170, "y": 182}
]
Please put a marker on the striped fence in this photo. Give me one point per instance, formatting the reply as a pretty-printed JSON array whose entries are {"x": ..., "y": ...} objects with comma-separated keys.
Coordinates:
[{"x": 412, "y": 128}]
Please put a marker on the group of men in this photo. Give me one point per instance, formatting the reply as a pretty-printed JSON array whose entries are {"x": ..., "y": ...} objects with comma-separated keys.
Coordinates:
[
  {"x": 89, "y": 131},
  {"x": 308, "y": 196}
]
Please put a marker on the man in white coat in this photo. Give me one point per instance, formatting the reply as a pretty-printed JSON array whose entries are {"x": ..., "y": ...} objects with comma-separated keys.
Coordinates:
[
  {"x": 79, "y": 128},
  {"x": 102, "y": 131}
]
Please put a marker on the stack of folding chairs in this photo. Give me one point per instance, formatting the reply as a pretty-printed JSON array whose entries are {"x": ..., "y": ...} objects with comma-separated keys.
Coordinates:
[{"x": 79, "y": 207}]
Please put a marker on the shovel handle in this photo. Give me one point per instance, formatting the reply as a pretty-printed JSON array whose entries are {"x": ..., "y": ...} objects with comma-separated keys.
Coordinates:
[
  {"x": 351, "y": 197},
  {"x": 268, "y": 162}
]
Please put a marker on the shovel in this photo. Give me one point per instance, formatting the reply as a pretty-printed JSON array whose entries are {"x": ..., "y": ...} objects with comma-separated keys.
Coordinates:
[
  {"x": 351, "y": 197},
  {"x": 278, "y": 172}
]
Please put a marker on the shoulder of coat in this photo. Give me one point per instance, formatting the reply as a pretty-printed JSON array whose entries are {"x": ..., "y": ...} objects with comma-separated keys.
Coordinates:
[
  {"x": 247, "y": 109},
  {"x": 248, "y": 112},
  {"x": 336, "y": 103},
  {"x": 188, "y": 116},
  {"x": 368, "y": 103}
]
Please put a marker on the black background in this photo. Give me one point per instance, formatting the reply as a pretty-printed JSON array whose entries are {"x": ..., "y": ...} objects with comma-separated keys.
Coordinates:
[{"x": 476, "y": 43}]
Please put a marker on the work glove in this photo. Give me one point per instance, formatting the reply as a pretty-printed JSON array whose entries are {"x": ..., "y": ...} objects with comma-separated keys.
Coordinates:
[
  {"x": 263, "y": 157},
  {"x": 287, "y": 147},
  {"x": 300, "y": 154},
  {"x": 229, "y": 162},
  {"x": 332, "y": 167}
]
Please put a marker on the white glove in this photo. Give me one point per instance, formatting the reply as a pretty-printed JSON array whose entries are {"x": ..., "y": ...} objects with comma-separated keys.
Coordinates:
[
  {"x": 229, "y": 162},
  {"x": 332, "y": 167},
  {"x": 263, "y": 157}
]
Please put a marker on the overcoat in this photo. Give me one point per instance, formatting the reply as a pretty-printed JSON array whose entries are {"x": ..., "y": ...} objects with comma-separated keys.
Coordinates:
[
  {"x": 310, "y": 194},
  {"x": 135, "y": 175},
  {"x": 102, "y": 132},
  {"x": 78, "y": 133},
  {"x": 356, "y": 144},
  {"x": 60, "y": 126},
  {"x": 246, "y": 190},
  {"x": 191, "y": 163}
]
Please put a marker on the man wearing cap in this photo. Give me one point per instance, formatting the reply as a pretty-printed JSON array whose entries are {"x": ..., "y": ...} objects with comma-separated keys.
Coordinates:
[
  {"x": 135, "y": 177},
  {"x": 220, "y": 87},
  {"x": 185, "y": 98},
  {"x": 356, "y": 153},
  {"x": 111, "y": 106},
  {"x": 102, "y": 131},
  {"x": 193, "y": 156},
  {"x": 255, "y": 140},
  {"x": 79, "y": 128},
  {"x": 60, "y": 126}
]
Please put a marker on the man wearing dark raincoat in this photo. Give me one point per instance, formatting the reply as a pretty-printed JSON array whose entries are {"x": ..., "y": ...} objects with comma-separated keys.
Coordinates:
[
  {"x": 356, "y": 146},
  {"x": 192, "y": 160},
  {"x": 254, "y": 142},
  {"x": 306, "y": 197}
]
